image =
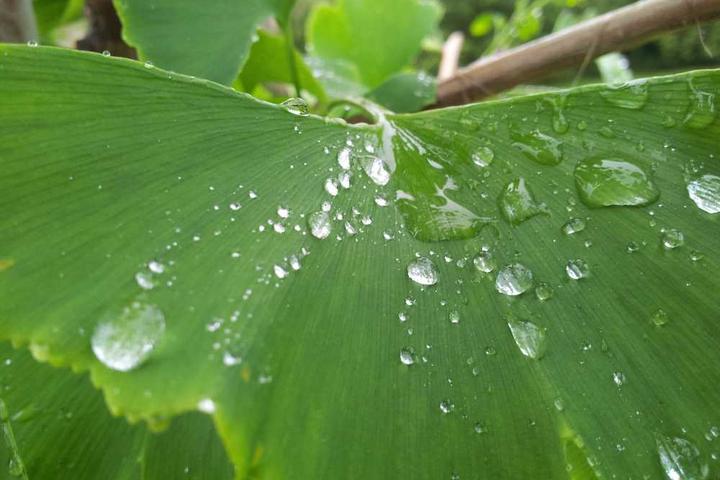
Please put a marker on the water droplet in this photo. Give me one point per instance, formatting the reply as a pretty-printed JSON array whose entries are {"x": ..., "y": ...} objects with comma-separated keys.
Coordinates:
[
  {"x": 156, "y": 267},
  {"x": 660, "y": 318},
  {"x": 613, "y": 182},
  {"x": 206, "y": 406},
  {"x": 577, "y": 269},
  {"x": 705, "y": 192},
  {"x": 574, "y": 225},
  {"x": 124, "y": 342},
  {"x": 559, "y": 122},
  {"x": 529, "y": 338},
  {"x": 454, "y": 317},
  {"x": 279, "y": 271},
  {"x": 483, "y": 157},
  {"x": 296, "y": 106},
  {"x": 619, "y": 378},
  {"x": 514, "y": 279},
  {"x": 632, "y": 247},
  {"x": 331, "y": 187},
  {"x": 144, "y": 280},
  {"x": 32, "y": 43},
  {"x": 423, "y": 272},
  {"x": 230, "y": 359},
  {"x": 283, "y": 212},
  {"x": 544, "y": 292},
  {"x": 681, "y": 459},
  {"x": 672, "y": 238},
  {"x": 343, "y": 159},
  {"x": 539, "y": 147},
  {"x": 149, "y": 64},
  {"x": 375, "y": 169},
  {"x": 446, "y": 407},
  {"x": 517, "y": 203},
  {"x": 106, "y": 53},
  {"x": 480, "y": 427},
  {"x": 632, "y": 95},
  {"x": 407, "y": 356},
  {"x": 320, "y": 226},
  {"x": 485, "y": 262},
  {"x": 701, "y": 111}
]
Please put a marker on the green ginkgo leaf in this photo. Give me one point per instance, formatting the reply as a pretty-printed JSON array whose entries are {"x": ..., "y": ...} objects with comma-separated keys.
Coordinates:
[
  {"x": 516, "y": 289},
  {"x": 209, "y": 39}
]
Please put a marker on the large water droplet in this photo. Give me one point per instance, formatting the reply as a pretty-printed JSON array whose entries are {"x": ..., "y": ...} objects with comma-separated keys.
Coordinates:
[
  {"x": 705, "y": 192},
  {"x": 613, "y": 182},
  {"x": 296, "y": 106},
  {"x": 701, "y": 112},
  {"x": 423, "y": 272},
  {"x": 632, "y": 95},
  {"x": 124, "y": 342},
  {"x": 514, "y": 279},
  {"x": 539, "y": 147},
  {"x": 681, "y": 459},
  {"x": 517, "y": 203},
  {"x": 320, "y": 226},
  {"x": 529, "y": 338}
]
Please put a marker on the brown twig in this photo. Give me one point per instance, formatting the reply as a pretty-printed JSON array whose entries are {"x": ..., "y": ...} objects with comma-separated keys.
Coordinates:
[
  {"x": 450, "y": 58},
  {"x": 615, "y": 31},
  {"x": 105, "y": 30},
  {"x": 17, "y": 21}
]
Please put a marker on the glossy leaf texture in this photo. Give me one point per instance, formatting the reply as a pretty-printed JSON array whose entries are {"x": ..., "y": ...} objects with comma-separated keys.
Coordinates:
[
  {"x": 208, "y": 39},
  {"x": 352, "y": 35},
  {"x": 426, "y": 298}
]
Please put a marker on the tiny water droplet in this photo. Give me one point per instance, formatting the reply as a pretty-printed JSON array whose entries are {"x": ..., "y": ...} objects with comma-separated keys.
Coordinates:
[
  {"x": 480, "y": 427},
  {"x": 705, "y": 192},
  {"x": 574, "y": 225},
  {"x": 660, "y": 318},
  {"x": 544, "y": 292},
  {"x": 539, "y": 147},
  {"x": 577, "y": 269},
  {"x": 514, "y": 279},
  {"x": 529, "y": 338},
  {"x": 672, "y": 239},
  {"x": 106, "y": 53},
  {"x": 144, "y": 280},
  {"x": 206, "y": 406},
  {"x": 423, "y": 272},
  {"x": 454, "y": 317},
  {"x": 296, "y": 106},
  {"x": 407, "y": 356},
  {"x": 125, "y": 341},
  {"x": 279, "y": 271},
  {"x": 320, "y": 226},
  {"x": 619, "y": 378},
  {"x": 613, "y": 182},
  {"x": 446, "y": 407},
  {"x": 156, "y": 267}
]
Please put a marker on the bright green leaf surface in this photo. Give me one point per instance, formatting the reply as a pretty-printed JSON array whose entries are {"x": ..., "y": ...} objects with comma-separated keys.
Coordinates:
[
  {"x": 50, "y": 14},
  {"x": 268, "y": 62},
  {"x": 357, "y": 31},
  {"x": 322, "y": 358},
  {"x": 209, "y": 39}
]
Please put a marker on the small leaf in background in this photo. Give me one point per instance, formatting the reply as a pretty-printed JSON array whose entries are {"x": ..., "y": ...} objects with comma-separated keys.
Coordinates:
[
  {"x": 405, "y": 92},
  {"x": 378, "y": 37},
  {"x": 209, "y": 39},
  {"x": 482, "y": 24},
  {"x": 268, "y": 62}
]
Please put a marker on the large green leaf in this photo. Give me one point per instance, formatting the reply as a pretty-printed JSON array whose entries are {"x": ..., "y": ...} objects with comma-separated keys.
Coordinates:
[
  {"x": 356, "y": 31},
  {"x": 321, "y": 358},
  {"x": 209, "y": 39}
]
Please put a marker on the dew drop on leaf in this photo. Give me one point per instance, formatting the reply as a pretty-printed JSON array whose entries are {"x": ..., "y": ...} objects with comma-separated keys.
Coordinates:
[
  {"x": 680, "y": 459},
  {"x": 517, "y": 203},
  {"x": 539, "y": 147},
  {"x": 485, "y": 262},
  {"x": 701, "y": 111},
  {"x": 631, "y": 95},
  {"x": 423, "y": 272},
  {"x": 529, "y": 338},
  {"x": 514, "y": 279},
  {"x": 577, "y": 269},
  {"x": 659, "y": 318},
  {"x": 705, "y": 192},
  {"x": 574, "y": 225},
  {"x": 446, "y": 406},
  {"x": 613, "y": 182},
  {"x": 672, "y": 239},
  {"x": 296, "y": 106},
  {"x": 483, "y": 157},
  {"x": 343, "y": 159},
  {"x": 544, "y": 292},
  {"x": 124, "y": 342},
  {"x": 375, "y": 169},
  {"x": 319, "y": 223},
  {"x": 407, "y": 357}
]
